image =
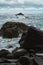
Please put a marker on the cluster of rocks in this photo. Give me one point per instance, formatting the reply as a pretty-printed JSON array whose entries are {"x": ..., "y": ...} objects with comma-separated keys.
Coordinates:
[
  {"x": 12, "y": 29},
  {"x": 31, "y": 42},
  {"x": 18, "y": 56}
]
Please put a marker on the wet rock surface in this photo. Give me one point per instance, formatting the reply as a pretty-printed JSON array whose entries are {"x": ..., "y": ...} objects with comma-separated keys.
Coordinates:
[
  {"x": 26, "y": 60},
  {"x": 21, "y": 41},
  {"x": 4, "y": 53},
  {"x": 9, "y": 46},
  {"x": 10, "y": 33},
  {"x": 33, "y": 39},
  {"x": 10, "y": 56},
  {"x": 13, "y": 29},
  {"x": 18, "y": 53}
]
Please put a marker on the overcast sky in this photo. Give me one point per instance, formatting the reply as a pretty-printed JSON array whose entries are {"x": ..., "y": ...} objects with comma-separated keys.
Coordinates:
[{"x": 27, "y": 5}]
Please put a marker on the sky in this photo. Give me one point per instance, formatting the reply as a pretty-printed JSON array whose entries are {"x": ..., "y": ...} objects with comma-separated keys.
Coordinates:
[{"x": 26, "y": 6}]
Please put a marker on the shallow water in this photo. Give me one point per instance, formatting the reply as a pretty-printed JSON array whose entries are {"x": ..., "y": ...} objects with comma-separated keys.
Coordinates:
[{"x": 29, "y": 19}]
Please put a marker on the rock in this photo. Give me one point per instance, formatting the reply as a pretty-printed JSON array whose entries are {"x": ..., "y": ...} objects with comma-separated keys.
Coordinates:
[
  {"x": 10, "y": 33},
  {"x": 10, "y": 56},
  {"x": 9, "y": 46},
  {"x": 13, "y": 29},
  {"x": 13, "y": 60},
  {"x": 0, "y": 32},
  {"x": 33, "y": 39},
  {"x": 3, "y": 60},
  {"x": 18, "y": 53},
  {"x": 20, "y": 14},
  {"x": 22, "y": 27},
  {"x": 25, "y": 60},
  {"x": 4, "y": 53},
  {"x": 35, "y": 63},
  {"x": 21, "y": 41},
  {"x": 22, "y": 37},
  {"x": 17, "y": 48}
]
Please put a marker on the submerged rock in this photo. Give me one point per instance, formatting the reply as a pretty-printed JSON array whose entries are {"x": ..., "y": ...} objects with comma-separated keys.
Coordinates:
[
  {"x": 20, "y": 14},
  {"x": 9, "y": 46},
  {"x": 12, "y": 29}
]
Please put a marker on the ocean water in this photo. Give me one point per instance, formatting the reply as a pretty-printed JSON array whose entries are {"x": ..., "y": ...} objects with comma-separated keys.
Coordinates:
[{"x": 29, "y": 19}]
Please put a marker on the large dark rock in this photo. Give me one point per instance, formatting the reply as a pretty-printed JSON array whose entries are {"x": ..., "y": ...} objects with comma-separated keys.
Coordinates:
[
  {"x": 25, "y": 60},
  {"x": 12, "y": 29},
  {"x": 33, "y": 39},
  {"x": 4, "y": 53},
  {"x": 18, "y": 53}
]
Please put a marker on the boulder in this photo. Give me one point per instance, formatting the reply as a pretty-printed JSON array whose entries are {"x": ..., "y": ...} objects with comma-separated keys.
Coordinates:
[
  {"x": 22, "y": 27},
  {"x": 18, "y": 53},
  {"x": 10, "y": 33},
  {"x": 25, "y": 60},
  {"x": 33, "y": 39},
  {"x": 13, "y": 29},
  {"x": 20, "y": 14},
  {"x": 10, "y": 56},
  {"x": 4, "y": 53}
]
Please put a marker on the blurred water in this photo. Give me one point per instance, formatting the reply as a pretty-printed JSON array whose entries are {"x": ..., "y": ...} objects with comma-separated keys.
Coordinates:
[{"x": 29, "y": 19}]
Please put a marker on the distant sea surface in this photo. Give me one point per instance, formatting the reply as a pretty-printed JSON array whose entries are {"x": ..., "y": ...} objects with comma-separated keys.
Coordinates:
[{"x": 29, "y": 19}]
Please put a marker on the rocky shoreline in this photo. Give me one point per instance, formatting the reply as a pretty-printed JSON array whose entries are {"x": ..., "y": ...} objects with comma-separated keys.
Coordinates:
[{"x": 31, "y": 42}]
